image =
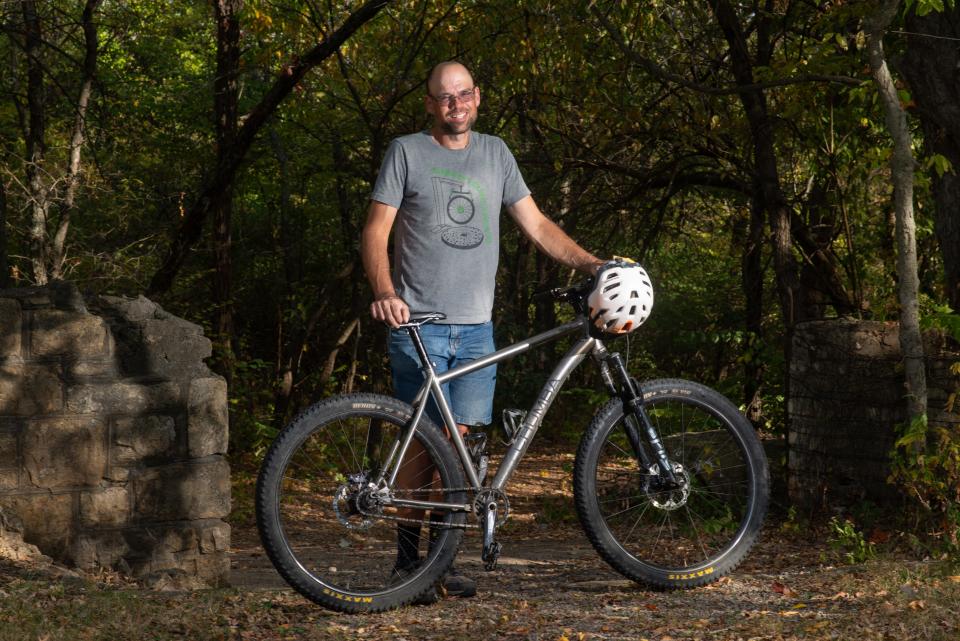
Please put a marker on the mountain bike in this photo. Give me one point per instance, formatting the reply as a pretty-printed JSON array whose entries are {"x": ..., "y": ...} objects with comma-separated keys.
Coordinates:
[{"x": 670, "y": 480}]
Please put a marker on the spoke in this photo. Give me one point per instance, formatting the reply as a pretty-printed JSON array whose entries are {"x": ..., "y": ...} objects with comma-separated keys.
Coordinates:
[
  {"x": 333, "y": 441},
  {"x": 357, "y": 467},
  {"x": 627, "y": 509},
  {"x": 636, "y": 522},
  {"x": 696, "y": 531},
  {"x": 639, "y": 498},
  {"x": 659, "y": 528},
  {"x": 627, "y": 454}
]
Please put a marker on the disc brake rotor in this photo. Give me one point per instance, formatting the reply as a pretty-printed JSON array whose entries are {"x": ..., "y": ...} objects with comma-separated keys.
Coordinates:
[{"x": 671, "y": 499}]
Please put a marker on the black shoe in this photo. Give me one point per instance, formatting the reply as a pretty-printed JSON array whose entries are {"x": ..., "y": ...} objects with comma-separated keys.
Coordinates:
[{"x": 457, "y": 585}]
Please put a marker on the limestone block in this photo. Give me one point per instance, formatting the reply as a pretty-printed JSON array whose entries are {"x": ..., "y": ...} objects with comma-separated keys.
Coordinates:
[
  {"x": 93, "y": 369},
  {"x": 214, "y": 538},
  {"x": 8, "y": 449},
  {"x": 142, "y": 437},
  {"x": 10, "y": 329},
  {"x": 196, "y": 489},
  {"x": 134, "y": 309},
  {"x": 106, "y": 549},
  {"x": 214, "y": 568},
  {"x": 9, "y": 480},
  {"x": 64, "y": 452},
  {"x": 207, "y": 418},
  {"x": 174, "y": 347},
  {"x": 158, "y": 547},
  {"x": 29, "y": 390},
  {"x": 106, "y": 507},
  {"x": 121, "y": 398},
  {"x": 198, "y": 549},
  {"x": 56, "y": 332},
  {"x": 47, "y": 520}
]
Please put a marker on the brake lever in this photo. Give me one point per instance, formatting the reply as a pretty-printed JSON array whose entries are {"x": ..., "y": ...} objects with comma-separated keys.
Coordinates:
[
  {"x": 565, "y": 294},
  {"x": 555, "y": 293}
]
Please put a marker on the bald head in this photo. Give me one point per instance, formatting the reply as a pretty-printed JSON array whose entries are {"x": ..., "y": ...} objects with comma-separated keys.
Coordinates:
[
  {"x": 452, "y": 99},
  {"x": 445, "y": 70}
]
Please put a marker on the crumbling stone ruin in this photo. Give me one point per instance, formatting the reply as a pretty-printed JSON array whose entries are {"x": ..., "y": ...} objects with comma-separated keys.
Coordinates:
[{"x": 112, "y": 435}]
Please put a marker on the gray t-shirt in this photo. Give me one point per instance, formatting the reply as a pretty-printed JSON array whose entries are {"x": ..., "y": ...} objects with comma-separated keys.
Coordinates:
[{"x": 447, "y": 235}]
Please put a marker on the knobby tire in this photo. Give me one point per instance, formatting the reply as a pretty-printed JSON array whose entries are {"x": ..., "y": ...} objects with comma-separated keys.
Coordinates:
[
  {"x": 662, "y": 538},
  {"x": 325, "y": 546}
]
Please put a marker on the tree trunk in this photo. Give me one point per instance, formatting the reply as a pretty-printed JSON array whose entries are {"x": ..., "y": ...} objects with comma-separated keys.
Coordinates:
[
  {"x": 58, "y": 247},
  {"x": 4, "y": 256},
  {"x": 901, "y": 167},
  {"x": 225, "y": 104},
  {"x": 223, "y": 175},
  {"x": 752, "y": 282},
  {"x": 930, "y": 66},
  {"x": 766, "y": 174},
  {"x": 35, "y": 143}
]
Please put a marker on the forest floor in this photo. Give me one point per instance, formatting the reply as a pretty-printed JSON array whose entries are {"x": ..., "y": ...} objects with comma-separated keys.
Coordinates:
[{"x": 550, "y": 585}]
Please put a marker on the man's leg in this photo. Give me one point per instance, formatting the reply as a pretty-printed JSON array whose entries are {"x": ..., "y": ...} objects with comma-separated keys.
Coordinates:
[
  {"x": 416, "y": 471},
  {"x": 471, "y": 399}
]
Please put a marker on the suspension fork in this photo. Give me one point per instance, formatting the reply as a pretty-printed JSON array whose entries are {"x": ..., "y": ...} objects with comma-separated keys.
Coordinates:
[{"x": 634, "y": 416}]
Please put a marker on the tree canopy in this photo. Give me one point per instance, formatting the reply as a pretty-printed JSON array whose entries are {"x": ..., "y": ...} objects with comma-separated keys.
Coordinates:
[{"x": 219, "y": 155}]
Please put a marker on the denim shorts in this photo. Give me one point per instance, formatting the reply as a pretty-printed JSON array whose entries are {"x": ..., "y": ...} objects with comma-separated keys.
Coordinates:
[{"x": 471, "y": 396}]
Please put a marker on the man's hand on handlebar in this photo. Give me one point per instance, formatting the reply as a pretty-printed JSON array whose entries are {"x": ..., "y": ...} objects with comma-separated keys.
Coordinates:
[{"x": 390, "y": 309}]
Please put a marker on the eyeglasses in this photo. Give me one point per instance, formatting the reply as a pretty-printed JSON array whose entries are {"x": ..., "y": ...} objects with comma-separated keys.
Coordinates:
[{"x": 467, "y": 95}]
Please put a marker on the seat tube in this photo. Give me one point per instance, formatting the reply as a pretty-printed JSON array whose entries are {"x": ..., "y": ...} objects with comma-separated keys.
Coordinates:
[{"x": 419, "y": 410}]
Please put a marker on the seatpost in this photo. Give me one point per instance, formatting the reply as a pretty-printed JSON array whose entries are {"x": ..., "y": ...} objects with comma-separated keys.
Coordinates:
[{"x": 414, "y": 331}]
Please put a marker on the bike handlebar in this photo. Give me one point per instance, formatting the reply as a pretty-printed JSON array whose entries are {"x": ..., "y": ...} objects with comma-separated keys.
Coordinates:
[{"x": 573, "y": 294}]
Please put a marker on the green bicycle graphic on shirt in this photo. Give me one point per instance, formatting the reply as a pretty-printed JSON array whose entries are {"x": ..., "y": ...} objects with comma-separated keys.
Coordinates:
[{"x": 455, "y": 204}]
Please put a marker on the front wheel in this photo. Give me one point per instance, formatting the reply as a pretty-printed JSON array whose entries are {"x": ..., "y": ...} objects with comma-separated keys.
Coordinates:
[
  {"x": 677, "y": 537},
  {"x": 332, "y": 532}
]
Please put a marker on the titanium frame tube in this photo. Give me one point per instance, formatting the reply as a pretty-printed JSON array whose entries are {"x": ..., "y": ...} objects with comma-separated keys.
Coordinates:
[{"x": 432, "y": 387}]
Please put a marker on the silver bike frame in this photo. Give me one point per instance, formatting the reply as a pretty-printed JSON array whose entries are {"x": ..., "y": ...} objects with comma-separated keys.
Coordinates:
[{"x": 531, "y": 423}]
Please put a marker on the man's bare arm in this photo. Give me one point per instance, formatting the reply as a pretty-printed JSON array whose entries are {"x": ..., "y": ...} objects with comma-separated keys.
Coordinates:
[
  {"x": 550, "y": 239},
  {"x": 386, "y": 306}
]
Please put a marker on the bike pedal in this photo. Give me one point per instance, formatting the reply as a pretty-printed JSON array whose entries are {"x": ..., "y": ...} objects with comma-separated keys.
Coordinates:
[{"x": 491, "y": 555}]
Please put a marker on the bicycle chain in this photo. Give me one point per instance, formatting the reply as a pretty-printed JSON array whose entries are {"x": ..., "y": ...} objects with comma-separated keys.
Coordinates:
[{"x": 400, "y": 519}]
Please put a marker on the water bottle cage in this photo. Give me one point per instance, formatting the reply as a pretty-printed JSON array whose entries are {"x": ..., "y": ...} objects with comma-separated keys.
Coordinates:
[{"x": 512, "y": 420}]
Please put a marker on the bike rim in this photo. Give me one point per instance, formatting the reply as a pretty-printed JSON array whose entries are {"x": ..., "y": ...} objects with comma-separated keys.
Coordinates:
[
  {"x": 346, "y": 547},
  {"x": 688, "y": 529}
]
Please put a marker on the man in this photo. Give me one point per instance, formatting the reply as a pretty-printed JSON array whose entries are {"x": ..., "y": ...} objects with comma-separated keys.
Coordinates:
[{"x": 444, "y": 188}]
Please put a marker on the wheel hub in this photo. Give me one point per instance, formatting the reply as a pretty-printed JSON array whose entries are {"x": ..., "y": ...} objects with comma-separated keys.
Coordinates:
[
  {"x": 669, "y": 498},
  {"x": 356, "y": 501}
]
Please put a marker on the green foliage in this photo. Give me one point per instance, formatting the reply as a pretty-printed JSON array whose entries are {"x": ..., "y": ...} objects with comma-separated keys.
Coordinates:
[
  {"x": 940, "y": 317},
  {"x": 850, "y": 542},
  {"x": 926, "y": 465},
  {"x": 925, "y": 7},
  {"x": 626, "y": 161}
]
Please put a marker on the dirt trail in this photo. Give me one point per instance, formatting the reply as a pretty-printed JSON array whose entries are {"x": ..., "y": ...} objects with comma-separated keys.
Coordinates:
[{"x": 550, "y": 584}]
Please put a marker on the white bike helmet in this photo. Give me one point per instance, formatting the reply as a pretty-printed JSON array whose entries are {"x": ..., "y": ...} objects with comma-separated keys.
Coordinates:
[{"x": 622, "y": 297}]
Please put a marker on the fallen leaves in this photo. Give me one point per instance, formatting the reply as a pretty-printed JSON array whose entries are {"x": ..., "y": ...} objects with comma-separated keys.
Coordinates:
[{"x": 780, "y": 588}]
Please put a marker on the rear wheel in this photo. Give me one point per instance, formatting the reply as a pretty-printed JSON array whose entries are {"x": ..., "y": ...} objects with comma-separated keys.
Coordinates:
[
  {"x": 331, "y": 532},
  {"x": 681, "y": 536}
]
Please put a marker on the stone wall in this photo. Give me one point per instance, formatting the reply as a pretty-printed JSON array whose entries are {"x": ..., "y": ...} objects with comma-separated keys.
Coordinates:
[
  {"x": 112, "y": 434},
  {"x": 846, "y": 399}
]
